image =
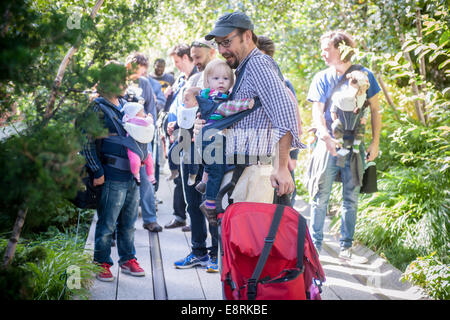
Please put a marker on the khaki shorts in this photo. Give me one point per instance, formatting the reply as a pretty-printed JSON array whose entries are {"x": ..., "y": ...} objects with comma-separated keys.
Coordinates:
[{"x": 253, "y": 185}]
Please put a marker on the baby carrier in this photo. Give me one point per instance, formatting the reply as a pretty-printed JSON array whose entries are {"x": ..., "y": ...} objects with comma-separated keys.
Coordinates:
[
  {"x": 208, "y": 107},
  {"x": 89, "y": 197},
  {"x": 121, "y": 138},
  {"x": 267, "y": 251},
  {"x": 348, "y": 120}
]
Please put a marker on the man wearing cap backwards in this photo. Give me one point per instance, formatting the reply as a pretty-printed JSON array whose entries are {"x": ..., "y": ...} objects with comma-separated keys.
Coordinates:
[
  {"x": 270, "y": 130},
  {"x": 202, "y": 52}
]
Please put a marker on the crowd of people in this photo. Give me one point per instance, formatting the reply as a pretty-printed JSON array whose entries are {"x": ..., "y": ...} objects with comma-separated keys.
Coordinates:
[{"x": 217, "y": 113}]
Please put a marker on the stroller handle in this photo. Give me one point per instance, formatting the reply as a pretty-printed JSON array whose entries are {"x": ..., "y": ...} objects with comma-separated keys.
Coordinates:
[
  {"x": 228, "y": 187},
  {"x": 285, "y": 199}
]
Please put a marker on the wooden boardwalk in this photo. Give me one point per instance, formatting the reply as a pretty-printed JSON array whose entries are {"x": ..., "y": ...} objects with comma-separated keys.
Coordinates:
[
  {"x": 156, "y": 253},
  {"x": 187, "y": 284}
]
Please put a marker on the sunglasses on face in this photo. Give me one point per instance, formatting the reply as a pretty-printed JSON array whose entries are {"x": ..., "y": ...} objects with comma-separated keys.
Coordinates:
[{"x": 227, "y": 42}]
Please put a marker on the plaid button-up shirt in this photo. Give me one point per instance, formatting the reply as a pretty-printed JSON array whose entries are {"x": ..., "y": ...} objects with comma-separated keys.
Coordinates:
[{"x": 259, "y": 132}]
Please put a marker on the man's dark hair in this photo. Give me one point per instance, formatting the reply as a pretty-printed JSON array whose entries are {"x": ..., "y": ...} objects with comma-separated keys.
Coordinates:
[
  {"x": 159, "y": 60},
  {"x": 241, "y": 32},
  {"x": 266, "y": 44},
  {"x": 137, "y": 58},
  {"x": 338, "y": 38},
  {"x": 181, "y": 50}
]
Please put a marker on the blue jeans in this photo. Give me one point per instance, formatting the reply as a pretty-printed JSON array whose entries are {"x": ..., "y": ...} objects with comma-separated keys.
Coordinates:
[
  {"x": 319, "y": 204},
  {"x": 198, "y": 221},
  {"x": 215, "y": 177},
  {"x": 147, "y": 193},
  {"x": 118, "y": 208},
  {"x": 215, "y": 171}
]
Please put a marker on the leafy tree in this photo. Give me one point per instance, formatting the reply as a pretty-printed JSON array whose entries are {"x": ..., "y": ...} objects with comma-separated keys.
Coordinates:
[{"x": 53, "y": 53}]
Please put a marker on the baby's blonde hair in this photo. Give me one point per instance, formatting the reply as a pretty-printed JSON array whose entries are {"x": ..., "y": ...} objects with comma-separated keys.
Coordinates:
[{"x": 213, "y": 66}]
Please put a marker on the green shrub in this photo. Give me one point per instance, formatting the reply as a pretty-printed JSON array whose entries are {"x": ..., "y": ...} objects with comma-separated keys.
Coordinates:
[
  {"x": 39, "y": 269},
  {"x": 430, "y": 273}
]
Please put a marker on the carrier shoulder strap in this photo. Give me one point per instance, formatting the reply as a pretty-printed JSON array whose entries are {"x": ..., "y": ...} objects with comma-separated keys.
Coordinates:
[
  {"x": 268, "y": 243},
  {"x": 113, "y": 117},
  {"x": 121, "y": 139}
]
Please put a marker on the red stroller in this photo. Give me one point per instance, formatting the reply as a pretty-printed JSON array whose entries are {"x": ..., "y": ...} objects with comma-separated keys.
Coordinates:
[{"x": 266, "y": 251}]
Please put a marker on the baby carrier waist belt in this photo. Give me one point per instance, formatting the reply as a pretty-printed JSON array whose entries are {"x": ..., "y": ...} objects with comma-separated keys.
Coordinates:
[{"x": 117, "y": 162}]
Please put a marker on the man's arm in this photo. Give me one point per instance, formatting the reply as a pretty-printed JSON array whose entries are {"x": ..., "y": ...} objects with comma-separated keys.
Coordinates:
[
  {"x": 372, "y": 150},
  {"x": 281, "y": 110},
  {"x": 275, "y": 99},
  {"x": 93, "y": 162},
  {"x": 281, "y": 178},
  {"x": 318, "y": 115}
]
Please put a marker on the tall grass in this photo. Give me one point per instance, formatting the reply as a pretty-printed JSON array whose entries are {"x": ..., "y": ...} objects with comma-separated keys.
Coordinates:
[
  {"x": 50, "y": 279},
  {"x": 41, "y": 269}
]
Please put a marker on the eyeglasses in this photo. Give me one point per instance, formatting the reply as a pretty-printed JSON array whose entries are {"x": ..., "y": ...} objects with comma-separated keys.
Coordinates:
[
  {"x": 199, "y": 44},
  {"x": 227, "y": 42}
]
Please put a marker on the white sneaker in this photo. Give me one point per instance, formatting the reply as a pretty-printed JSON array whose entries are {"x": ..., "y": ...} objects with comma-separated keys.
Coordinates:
[
  {"x": 347, "y": 254},
  {"x": 191, "y": 179}
]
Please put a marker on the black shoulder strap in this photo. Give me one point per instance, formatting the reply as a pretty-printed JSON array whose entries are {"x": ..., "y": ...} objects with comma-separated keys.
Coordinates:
[
  {"x": 113, "y": 117},
  {"x": 238, "y": 81},
  {"x": 352, "y": 68},
  {"x": 268, "y": 243},
  {"x": 122, "y": 138}
]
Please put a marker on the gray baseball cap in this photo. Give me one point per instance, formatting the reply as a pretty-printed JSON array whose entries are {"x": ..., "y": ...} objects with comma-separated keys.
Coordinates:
[{"x": 228, "y": 22}]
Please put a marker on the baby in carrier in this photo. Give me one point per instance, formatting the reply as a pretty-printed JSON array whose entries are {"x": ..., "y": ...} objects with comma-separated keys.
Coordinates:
[
  {"x": 218, "y": 79},
  {"x": 141, "y": 128},
  {"x": 186, "y": 115},
  {"x": 349, "y": 112}
]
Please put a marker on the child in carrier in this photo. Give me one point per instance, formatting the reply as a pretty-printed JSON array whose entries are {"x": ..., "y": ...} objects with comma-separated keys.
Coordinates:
[
  {"x": 141, "y": 128},
  {"x": 186, "y": 115},
  {"x": 218, "y": 79},
  {"x": 348, "y": 111}
]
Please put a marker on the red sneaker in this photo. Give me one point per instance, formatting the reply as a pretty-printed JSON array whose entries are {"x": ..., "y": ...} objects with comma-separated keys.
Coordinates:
[
  {"x": 132, "y": 267},
  {"x": 105, "y": 274}
]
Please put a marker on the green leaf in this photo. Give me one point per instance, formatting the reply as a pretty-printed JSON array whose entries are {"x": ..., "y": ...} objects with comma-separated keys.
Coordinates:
[
  {"x": 443, "y": 64},
  {"x": 444, "y": 37},
  {"x": 411, "y": 47},
  {"x": 435, "y": 55}
]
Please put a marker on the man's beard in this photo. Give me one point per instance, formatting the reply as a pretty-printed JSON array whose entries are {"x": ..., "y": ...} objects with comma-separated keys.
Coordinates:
[{"x": 234, "y": 63}]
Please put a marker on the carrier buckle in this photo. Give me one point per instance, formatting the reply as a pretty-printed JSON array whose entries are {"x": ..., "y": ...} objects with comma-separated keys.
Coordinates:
[
  {"x": 269, "y": 240},
  {"x": 251, "y": 289}
]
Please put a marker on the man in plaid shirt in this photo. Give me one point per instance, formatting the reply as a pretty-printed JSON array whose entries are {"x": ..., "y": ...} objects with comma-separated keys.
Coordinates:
[{"x": 272, "y": 129}]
